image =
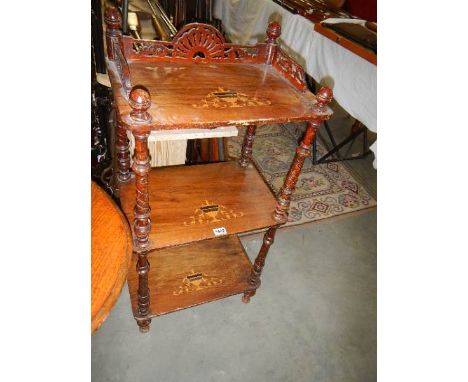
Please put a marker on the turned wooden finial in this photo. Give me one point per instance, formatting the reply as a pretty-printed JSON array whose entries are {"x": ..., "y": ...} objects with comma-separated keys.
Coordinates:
[
  {"x": 113, "y": 33},
  {"x": 140, "y": 101},
  {"x": 112, "y": 18},
  {"x": 324, "y": 97},
  {"x": 273, "y": 32}
]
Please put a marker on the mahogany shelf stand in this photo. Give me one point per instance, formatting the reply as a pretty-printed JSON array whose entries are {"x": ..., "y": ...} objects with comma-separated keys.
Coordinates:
[{"x": 186, "y": 218}]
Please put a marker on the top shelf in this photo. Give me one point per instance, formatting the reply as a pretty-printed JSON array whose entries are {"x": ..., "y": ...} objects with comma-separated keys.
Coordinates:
[
  {"x": 198, "y": 80},
  {"x": 186, "y": 95}
]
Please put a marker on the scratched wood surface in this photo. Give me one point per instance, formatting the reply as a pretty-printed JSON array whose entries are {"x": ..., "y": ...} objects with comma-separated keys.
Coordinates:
[
  {"x": 188, "y": 202},
  {"x": 191, "y": 95},
  {"x": 193, "y": 274},
  {"x": 111, "y": 249},
  {"x": 197, "y": 80}
]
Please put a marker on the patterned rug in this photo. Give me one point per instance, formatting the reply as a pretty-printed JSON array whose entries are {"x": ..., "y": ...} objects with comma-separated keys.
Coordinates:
[{"x": 322, "y": 191}]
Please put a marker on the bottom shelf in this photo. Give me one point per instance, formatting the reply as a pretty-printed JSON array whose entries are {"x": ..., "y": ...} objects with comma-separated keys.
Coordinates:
[{"x": 192, "y": 274}]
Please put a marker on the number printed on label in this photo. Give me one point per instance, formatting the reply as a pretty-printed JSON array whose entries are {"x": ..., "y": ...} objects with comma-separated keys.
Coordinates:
[{"x": 219, "y": 231}]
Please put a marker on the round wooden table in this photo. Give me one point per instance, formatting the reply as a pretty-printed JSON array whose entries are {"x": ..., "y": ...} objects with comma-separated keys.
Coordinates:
[{"x": 111, "y": 251}]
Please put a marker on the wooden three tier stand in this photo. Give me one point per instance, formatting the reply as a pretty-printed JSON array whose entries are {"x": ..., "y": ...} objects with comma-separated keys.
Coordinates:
[{"x": 186, "y": 218}]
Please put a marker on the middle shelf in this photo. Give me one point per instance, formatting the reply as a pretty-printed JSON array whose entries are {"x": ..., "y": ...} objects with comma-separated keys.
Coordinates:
[{"x": 189, "y": 202}]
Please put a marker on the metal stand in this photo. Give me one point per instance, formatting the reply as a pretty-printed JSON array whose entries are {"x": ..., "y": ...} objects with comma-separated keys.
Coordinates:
[
  {"x": 357, "y": 129},
  {"x": 333, "y": 153}
]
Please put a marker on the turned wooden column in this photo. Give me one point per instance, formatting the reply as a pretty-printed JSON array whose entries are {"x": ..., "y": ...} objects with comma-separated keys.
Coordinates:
[
  {"x": 257, "y": 267},
  {"x": 140, "y": 101},
  {"x": 114, "y": 38},
  {"x": 273, "y": 33},
  {"x": 113, "y": 30},
  {"x": 302, "y": 152},
  {"x": 246, "y": 152},
  {"x": 122, "y": 149},
  {"x": 324, "y": 97}
]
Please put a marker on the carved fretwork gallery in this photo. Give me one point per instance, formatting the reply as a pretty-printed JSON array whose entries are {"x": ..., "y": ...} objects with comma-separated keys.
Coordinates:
[{"x": 186, "y": 219}]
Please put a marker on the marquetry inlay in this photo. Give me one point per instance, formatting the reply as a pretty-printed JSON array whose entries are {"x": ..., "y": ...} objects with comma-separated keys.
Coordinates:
[
  {"x": 225, "y": 98},
  {"x": 196, "y": 281},
  {"x": 210, "y": 212}
]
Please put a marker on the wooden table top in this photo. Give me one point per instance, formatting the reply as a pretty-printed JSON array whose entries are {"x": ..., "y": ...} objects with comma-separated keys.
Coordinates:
[
  {"x": 199, "y": 81},
  {"x": 194, "y": 95},
  {"x": 111, "y": 250},
  {"x": 188, "y": 202}
]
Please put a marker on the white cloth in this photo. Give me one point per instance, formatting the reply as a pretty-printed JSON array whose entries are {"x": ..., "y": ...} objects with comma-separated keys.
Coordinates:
[
  {"x": 349, "y": 21},
  {"x": 353, "y": 79}
]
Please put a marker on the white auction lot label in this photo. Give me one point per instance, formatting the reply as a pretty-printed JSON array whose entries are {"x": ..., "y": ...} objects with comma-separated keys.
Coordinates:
[{"x": 220, "y": 231}]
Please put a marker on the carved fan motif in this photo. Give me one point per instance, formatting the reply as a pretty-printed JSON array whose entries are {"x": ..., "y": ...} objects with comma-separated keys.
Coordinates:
[{"x": 198, "y": 40}]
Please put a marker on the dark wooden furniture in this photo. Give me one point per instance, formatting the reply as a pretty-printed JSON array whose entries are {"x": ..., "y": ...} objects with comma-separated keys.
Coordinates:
[
  {"x": 186, "y": 219},
  {"x": 111, "y": 250},
  {"x": 346, "y": 43},
  {"x": 100, "y": 108},
  {"x": 337, "y": 4},
  {"x": 315, "y": 10},
  {"x": 364, "y": 9}
]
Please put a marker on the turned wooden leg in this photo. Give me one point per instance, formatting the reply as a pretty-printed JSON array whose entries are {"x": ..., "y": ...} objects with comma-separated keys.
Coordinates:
[
  {"x": 257, "y": 267},
  {"x": 122, "y": 153},
  {"x": 246, "y": 152},
  {"x": 143, "y": 268},
  {"x": 143, "y": 293},
  {"x": 281, "y": 212},
  {"x": 142, "y": 226},
  {"x": 140, "y": 102},
  {"x": 302, "y": 152},
  {"x": 144, "y": 325}
]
